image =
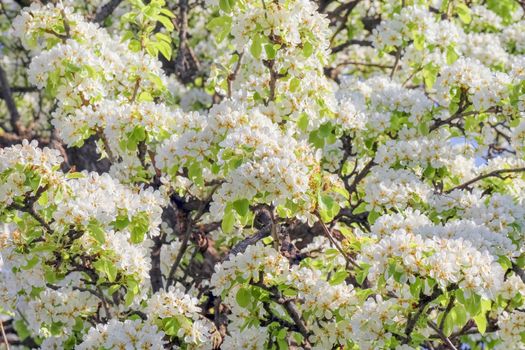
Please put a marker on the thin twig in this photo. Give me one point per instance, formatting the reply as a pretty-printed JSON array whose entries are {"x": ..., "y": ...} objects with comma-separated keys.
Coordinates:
[
  {"x": 233, "y": 76},
  {"x": 366, "y": 64},
  {"x": 4, "y": 336},
  {"x": 343, "y": 46},
  {"x": 441, "y": 335},
  {"x": 27, "y": 207},
  {"x": 187, "y": 234},
  {"x": 447, "y": 311},
  {"x": 348, "y": 7},
  {"x": 360, "y": 176},
  {"x": 495, "y": 173},
  {"x": 135, "y": 90},
  {"x": 396, "y": 63},
  {"x": 290, "y": 309},
  {"x": 412, "y": 321},
  {"x": 102, "y": 136},
  {"x": 337, "y": 246}
]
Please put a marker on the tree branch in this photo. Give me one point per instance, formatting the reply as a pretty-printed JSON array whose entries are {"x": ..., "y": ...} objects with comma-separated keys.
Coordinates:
[
  {"x": 495, "y": 173},
  {"x": 412, "y": 321},
  {"x": 186, "y": 238},
  {"x": 343, "y": 46},
  {"x": 106, "y": 10},
  {"x": 242, "y": 245},
  {"x": 442, "y": 336},
  {"x": 7, "y": 96}
]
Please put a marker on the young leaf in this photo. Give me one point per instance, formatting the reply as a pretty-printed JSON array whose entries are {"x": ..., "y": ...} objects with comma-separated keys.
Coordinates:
[
  {"x": 243, "y": 297},
  {"x": 228, "y": 221},
  {"x": 242, "y": 206}
]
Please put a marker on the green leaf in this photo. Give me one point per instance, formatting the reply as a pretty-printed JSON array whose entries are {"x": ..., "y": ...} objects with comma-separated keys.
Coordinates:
[
  {"x": 50, "y": 276},
  {"x": 134, "y": 45},
  {"x": 298, "y": 337},
  {"x": 96, "y": 231},
  {"x": 243, "y": 297},
  {"x": 242, "y": 206},
  {"x": 429, "y": 75},
  {"x": 415, "y": 288},
  {"x": 221, "y": 26},
  {"x": 21, "y": 329},
  {"x": 79, "y": 325},
  {"x": 448, "y": 325},
  {"x": 137, "y": 235},
  {"x": 481, "y": 322},
  {"x": 461, "y": 315},
  {"x": 485, "y": 305},
  {"x": 423, "y": 128},
  {"x": 362, "y": 274},
  {"x": 139, "y": 226},
  {"x": 166, "y": 22},
  {"x": 145, "y": 96},
  {"x": 361, "y": 208},
  {"x": 195, "y": 173},
  {"x": 256, "y": 47},
  {"x": 163, "y": 37},
  {"x": 170, "y": 325},
  {"x": 308, "y": 49},
  {"x": 128, "y": 298},
  {"x": 111, "y": 272},
  {"x": 43, "y": 200},
  {"x": 30, "y": 263},
  {"x": 294, "y": 84},
  {"x": 267, "y": 240},
  {"x": 464, "y": 13},
  {"x": 164, "y": 48},
  {"x": 113, "y": 289},
  {"x": 121, "y": 222},
  {"x": 270, "y": 51},
  {"x": 429, "y": 172},
  {"x": 228, "y": 220},
  {"x": 156, "y": 80},
  {"x": 473, "y": 305},
  {"x": 282, "y": 343},
  {"x": 106, "y": 268},
  {"x": 302, "y": 122},
  {"x": 520, "y": 261},
  {"x": 419, "y": 42},
  {"x": 452, "y": 56},
  {"x": 225, "y": 6},
  {"x": 167, "y": 13},
  {"x": 75, "y": 175},
  {"x": 373, "y": 216},
  {"x": 325, "y": 130},
  {"x": 328, "y": 207},
  {"x": 338, "y": 277},
  {"x": 504, "y": 8},
  {"x": 505, "y": 262}
]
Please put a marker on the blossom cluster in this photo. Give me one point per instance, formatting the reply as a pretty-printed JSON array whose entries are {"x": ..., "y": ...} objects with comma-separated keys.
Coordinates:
[{"x": 283, "y": 174}]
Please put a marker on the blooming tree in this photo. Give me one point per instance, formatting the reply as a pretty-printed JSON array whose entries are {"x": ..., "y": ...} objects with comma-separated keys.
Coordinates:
[{"x": 262, "y": 174}]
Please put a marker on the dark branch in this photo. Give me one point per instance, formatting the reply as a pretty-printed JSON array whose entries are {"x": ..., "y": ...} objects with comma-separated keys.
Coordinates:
[
  {"x": 495, "y": 173},
  {"x": 106, "y": 10},
  {"x": 7, "y": 96}
]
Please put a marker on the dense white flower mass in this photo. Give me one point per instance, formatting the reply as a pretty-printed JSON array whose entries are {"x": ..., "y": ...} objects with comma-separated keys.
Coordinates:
[
  {"x": 123, "y": 335},
  {"x": 273, "y": 175}
]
